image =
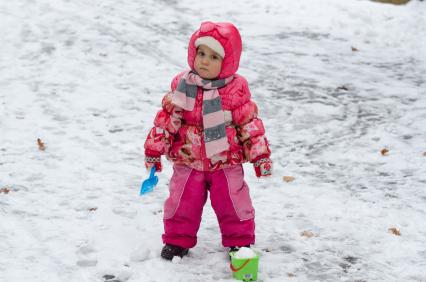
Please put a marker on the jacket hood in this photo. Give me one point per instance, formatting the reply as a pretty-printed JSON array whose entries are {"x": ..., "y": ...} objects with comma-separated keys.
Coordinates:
[{"x": 228, "y": 36}]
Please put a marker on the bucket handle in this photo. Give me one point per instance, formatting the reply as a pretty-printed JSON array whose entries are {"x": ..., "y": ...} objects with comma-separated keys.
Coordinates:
[{"x": 239, "y": 268}]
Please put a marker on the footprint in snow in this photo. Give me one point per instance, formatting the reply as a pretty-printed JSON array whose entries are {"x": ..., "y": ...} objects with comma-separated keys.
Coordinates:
[
  {"x": 124, "y": 274},
  {"x": 110, "y": 278},
  {"x": 87, "y": 255}
]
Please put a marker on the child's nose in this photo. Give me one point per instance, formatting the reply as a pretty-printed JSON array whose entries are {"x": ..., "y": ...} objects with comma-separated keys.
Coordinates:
[{"x": 205, "y": 61}]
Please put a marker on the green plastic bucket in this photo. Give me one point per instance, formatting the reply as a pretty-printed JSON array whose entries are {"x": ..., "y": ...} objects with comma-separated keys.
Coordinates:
[{"x": 244, "y": 269}]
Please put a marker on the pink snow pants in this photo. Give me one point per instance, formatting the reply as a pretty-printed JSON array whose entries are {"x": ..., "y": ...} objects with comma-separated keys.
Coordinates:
[{"x": 230, "y": 199}]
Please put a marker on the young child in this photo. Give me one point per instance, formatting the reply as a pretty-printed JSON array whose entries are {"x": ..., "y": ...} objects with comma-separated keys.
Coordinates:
[{"x": 208, "y": 126}]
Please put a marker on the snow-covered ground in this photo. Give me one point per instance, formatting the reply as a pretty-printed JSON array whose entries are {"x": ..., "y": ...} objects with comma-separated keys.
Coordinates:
[{"x": 336, "y": 82}]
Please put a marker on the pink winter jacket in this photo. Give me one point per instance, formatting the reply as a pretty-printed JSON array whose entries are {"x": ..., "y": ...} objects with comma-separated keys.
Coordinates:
[{"x": 178, "y": 134}]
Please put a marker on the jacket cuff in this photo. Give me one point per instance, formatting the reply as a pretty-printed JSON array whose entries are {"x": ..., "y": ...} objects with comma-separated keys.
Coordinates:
[{"x": 260, "y": 159}]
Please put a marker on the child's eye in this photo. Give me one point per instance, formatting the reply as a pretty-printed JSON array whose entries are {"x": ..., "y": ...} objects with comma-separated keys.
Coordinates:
[
  {"x": 214, "y": 57},
  {"x": 200, "y": 53}
]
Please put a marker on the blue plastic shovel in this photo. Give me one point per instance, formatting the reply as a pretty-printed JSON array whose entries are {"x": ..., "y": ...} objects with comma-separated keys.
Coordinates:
[{"x": 149, "y": 183}]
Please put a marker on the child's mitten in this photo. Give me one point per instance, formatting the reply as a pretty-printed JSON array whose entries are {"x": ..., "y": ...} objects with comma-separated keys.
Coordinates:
[
  {"x": 263, "y": 166},
  {"x": 153, "y": 159}
]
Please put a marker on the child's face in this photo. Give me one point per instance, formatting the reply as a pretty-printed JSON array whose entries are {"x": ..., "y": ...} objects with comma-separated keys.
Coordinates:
[{"x": 207, "y": 62}]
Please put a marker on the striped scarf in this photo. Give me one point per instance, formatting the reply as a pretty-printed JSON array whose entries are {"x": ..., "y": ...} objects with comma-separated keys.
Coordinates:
[{"x": 215, "y": 138}]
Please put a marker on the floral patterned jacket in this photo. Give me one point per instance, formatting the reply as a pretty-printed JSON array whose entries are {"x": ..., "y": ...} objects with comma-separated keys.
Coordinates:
[{"x": 178, "y": 134}]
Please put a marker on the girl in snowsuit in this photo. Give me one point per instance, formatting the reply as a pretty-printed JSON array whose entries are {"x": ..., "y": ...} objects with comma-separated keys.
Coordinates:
[{"x": 208, "y": 126}]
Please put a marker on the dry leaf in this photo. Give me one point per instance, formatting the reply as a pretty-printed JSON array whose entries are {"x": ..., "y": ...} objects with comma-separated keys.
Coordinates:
[
  {"x": 395, "y": 2},
  {"x": 394, "y": 231},
  {"x": 307, "y": 234},
  {"x": 289, "y": 274},
  {"x": 93, "y": 209},
  {"x": 354, "y": 49},
  {"x": 41, "y": 146},
  {"x": 288, "y": 178},
  {"x": 384, "y": 152},
  {"x": 4, "y": 190}
]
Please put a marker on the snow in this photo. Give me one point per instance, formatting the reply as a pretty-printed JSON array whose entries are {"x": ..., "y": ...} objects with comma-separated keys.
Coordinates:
[
  {"x": 87, "y": 77},
  {"x": 244, "y": 253}
]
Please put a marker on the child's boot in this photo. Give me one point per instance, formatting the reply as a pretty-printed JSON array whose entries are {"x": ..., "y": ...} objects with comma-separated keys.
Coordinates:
[
  {"x": 235, "y": 249},
  {"x": 169, "y": 251}
]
